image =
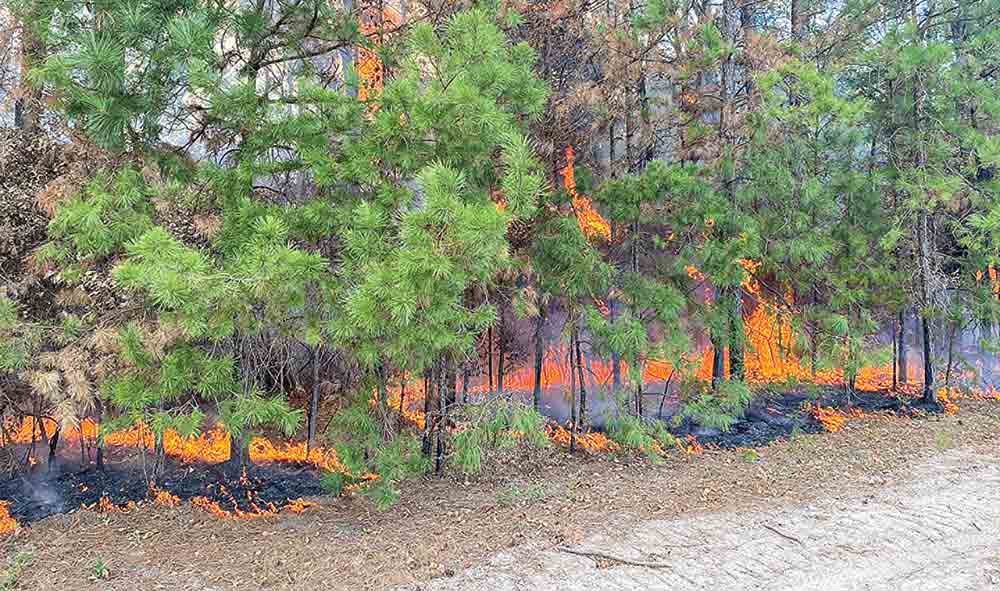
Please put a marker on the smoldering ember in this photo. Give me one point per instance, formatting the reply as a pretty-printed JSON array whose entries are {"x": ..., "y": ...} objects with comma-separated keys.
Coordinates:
[{"x": 497, "y": 294}]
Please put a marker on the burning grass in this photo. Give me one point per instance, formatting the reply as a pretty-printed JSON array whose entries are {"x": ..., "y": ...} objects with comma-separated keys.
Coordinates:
[{"x": 8, "y": 524}]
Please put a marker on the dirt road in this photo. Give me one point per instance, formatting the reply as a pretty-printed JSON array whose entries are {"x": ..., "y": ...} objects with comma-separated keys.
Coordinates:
[{"x": 938, "y": 530}]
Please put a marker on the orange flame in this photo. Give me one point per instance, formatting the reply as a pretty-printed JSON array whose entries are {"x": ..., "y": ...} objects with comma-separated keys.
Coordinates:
[
  {"x": 8, "y": 524},
  {"x": 592, "y": 223},
  {"x": 213, "y": 446}
]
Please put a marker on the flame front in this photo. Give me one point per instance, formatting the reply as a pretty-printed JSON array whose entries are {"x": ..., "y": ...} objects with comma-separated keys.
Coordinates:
[
  {"x": 592, "y": 223},
  {"x": 8, "y": 524}
]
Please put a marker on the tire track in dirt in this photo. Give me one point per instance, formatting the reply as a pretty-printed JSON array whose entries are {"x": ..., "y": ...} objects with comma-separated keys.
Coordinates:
[{"x": 938, "y": 530}]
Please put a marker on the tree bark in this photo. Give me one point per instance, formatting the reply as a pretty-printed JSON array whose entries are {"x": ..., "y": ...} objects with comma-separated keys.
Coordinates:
[
  {"x": 313, "y": 402},
  {"x": 572, "y": 388},
  {"x": 429, "y": 378},
  {"x": 583, "y": 383},
  {"x": 501, "y": 353},
  {"x": 536, "y": 397},
  {"x": 903, "y": 370},
  {"x": 489, "y": 355},
  {"x": 737, "y": 367}
]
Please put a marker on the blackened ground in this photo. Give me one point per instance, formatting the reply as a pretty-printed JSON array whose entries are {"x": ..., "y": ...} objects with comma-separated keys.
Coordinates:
[
  {"x": 264, "y": 488},
  {"x": 778, "y": 415}
]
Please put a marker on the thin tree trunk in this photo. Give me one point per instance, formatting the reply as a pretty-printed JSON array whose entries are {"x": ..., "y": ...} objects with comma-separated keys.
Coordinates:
[
  {"x": 489, "y": 355},
  {"x": 385, "y": 424},
  {"x": 501, "y": 353},
  {"x": 901, "y": 350},
  {"x": 426, "y": 446},
  {"x": 737, "y": 367},
  {"x": 313, "y": 402},
  {"x": 54, "y": 445},
  {"x": 895, "y": 356},
  {"x": 951, "y": 347},
  {"x": 929, "y": 396},
  {"x": 572, "y": 389},
  {"x": 402, "y": 402},
  {"x": 443, "y": 385},
  {"x": 465, "y": 383},
  {"x": 536, "y": 397},
  {"x": 583, "y": 383}
]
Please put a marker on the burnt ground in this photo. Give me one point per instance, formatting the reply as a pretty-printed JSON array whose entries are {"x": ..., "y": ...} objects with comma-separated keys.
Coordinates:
[
  {"x": 776, "y": 415},
  {"x": 528, "y": 500},
  {"x": 265, "y": 489},
  {"x": 268, "y": 488}
]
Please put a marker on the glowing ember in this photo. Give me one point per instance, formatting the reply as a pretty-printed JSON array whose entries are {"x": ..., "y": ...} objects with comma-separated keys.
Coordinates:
[
  {"x": 299, "y": 506},
  {"x": 592, "y": 223},
  {"x": 8, "y": 524}
]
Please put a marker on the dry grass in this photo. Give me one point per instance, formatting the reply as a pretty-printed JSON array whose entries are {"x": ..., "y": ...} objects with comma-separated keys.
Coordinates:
[{"x": 444, "y": 526}]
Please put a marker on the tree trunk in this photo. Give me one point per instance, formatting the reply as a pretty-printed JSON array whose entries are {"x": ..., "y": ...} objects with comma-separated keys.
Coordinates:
[
  {"x": 737, "y": 367},
  {"x": 441, "y": 428},
  {"x": 313, "y": 402},
  {"x": 402, "y": 402},
  {"x": 385, "y": 423},
  {"x": 501, "y": 353},
  {"x": 489, "y": 355},
  {"x": 929, "y": 396},
  {"x": 572, "y": 389},
  {"x": 54, "y": 446},
  {"x": 536, "y": 397},
  {"x": 583, "y": 383},
  {"x": 903, "y": 370},
  {"x": 465, "y": 383},
  {"x": 426, "y": 446},
  {"x": 951, "y": 347}
]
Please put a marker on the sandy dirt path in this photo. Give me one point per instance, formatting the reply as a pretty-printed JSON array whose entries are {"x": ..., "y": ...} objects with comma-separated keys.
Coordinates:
[{"x": 939, "y": 529}]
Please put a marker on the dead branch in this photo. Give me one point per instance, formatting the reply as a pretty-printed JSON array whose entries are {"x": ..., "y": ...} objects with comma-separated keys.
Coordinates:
[{"x": 614, "y": 559}]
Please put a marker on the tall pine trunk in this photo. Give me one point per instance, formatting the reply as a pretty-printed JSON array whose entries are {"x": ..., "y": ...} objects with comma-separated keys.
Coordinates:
[
  {"x": 901, "y": 360},
  {"x": 536, "y": 397},
  {"x": 583, "y": 383},
  {"x": 572, "y": 387}
]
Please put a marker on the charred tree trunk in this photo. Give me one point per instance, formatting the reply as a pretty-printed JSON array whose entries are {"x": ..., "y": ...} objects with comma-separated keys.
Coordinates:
[
  {"x": 489, "y": 355},
  {"x": 895, "y": 356},
  {"x": 239, "y": 455},
  {"x": 313, "y": 402},
  {"x": 54, "y": 446},
  {"x": 718, "y": 352},
  {"x": 385, "y": 423},
  {"x": 737, "y": 367},
  {"x": 428, "y": 415},
  {"x": 536, "y": 397},
  {"x": 99, "y": 444},
  {"x": 583, "y": 383},
  {"x": 572, "y": 389},
  {"x": 901, "y": 363},
  {"x": 444, "y": 384},
  {"x": 929, "y": 396},
  {"x": 402, "y": 402},
  {"x": 465, "y": 383},
  {"x": 501, "y": 354}
]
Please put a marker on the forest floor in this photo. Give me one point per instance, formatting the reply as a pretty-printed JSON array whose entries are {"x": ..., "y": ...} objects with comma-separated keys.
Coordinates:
[{"x": 887, "y": 503}]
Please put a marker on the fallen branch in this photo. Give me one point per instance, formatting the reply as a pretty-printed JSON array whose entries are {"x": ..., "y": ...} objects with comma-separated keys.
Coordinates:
[
  {"x": 782, "y": 534},
  {"x": 615, "y": 559}
]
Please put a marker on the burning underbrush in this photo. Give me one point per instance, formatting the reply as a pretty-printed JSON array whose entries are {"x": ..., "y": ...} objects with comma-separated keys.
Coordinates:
[{"x": 263, "y": 491}]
